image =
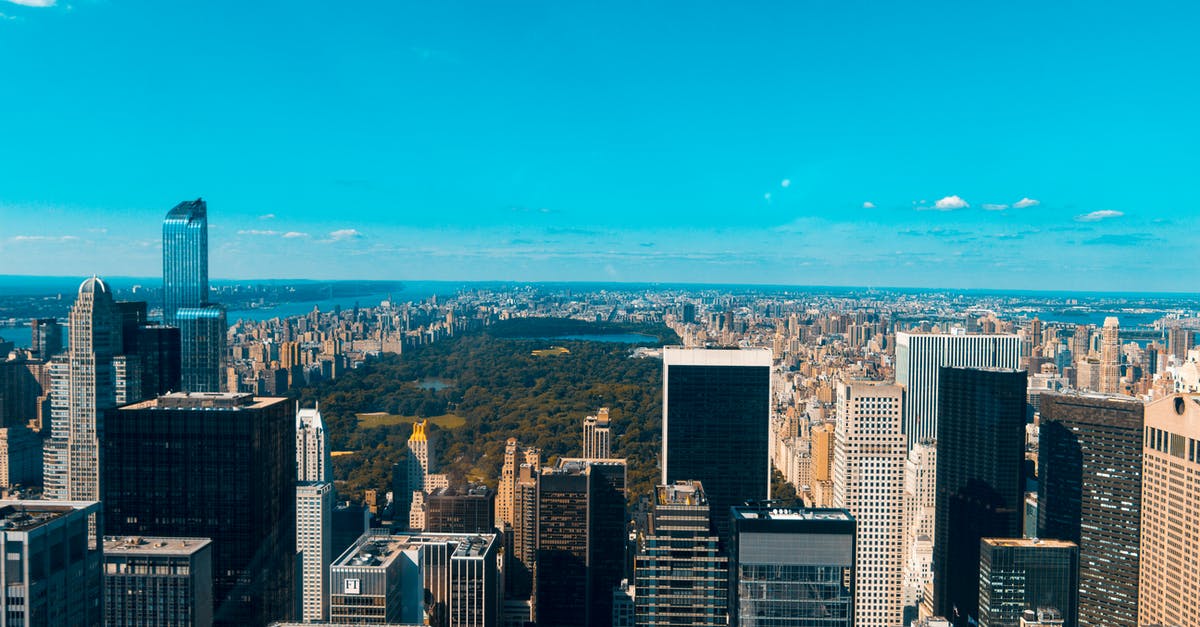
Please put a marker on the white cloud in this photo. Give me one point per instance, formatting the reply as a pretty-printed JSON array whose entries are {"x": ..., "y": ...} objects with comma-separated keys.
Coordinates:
[
  {"x": 1097, "y": 216},
  {"x": 258, "y": 232},
  {"x": 295, "y": 234},
  {"x": 344, "y": 234},
  {"x": 868, "y": 205},
  {"x": 44, "y": 238},
  {"x": 950, "y": 203},
  {"x": 767, "y": 196},
  {"x": 992, "y": 207},
  {"x": 1026, "y": 202},
  {"x": 267, "y": 216},
  {"x": 785, "y": 183},
  {"x": 33, "y": 3}
]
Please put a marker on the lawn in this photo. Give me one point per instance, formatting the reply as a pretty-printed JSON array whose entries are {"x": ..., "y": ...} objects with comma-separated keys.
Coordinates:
[
  {"x": 380, "y": 419},
  {"x": 554, "y": 350}
]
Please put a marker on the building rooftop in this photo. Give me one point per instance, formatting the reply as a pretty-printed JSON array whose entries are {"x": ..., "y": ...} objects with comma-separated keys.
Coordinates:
[
  {"x": 1028, "y": 542},
  {"x": 27, "y": 515},
  {"x": 474, "y": 546},
  {"x": 188, "y": 210},
  {"x": 688, "y": 492},
  {"x": 206, "y": 400},
  {"x": 790, "y": 513},
  {"x": 142, "y": 545},
  {"x": 374, "y": 550}
]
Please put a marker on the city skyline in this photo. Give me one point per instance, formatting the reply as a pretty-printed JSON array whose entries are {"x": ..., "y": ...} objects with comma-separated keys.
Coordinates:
[{"x": 937, "y": 146}]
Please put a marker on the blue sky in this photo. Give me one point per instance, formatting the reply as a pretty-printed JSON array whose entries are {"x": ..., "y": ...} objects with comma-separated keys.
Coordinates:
[{"x": 978, "y": 144}]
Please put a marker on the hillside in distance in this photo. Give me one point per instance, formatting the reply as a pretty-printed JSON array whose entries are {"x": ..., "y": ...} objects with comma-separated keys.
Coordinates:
[{"x": 481, "y": 388}]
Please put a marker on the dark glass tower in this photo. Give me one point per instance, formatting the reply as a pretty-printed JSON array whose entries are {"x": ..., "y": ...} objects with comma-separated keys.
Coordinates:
[
  {"x": 980, "y": 478},
  {"x": 202, "y": 347},
  {"x": 185, "y": 258},
  {"x": 1017, "y": 574},
  {"x": 220, "y": 466},
  {"x": 716, "y": 415},
  {"x": 1090, "y": 465}
]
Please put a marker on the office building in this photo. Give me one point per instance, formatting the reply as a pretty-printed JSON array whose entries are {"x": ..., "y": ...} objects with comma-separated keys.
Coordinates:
[
  {"x": 20, "y": 457},
  {"x": 475, "y": 594},
  {"x": 45, "y": 338},
  {"x": 514, "y": 456},
  {"x": 919, "y": 357},
  {"x": 157, "y": 349},
  {"x": 980, "y": 478},
  {"x": 716, "y": 422},
  {"x": 202, "y": 347},
  {"x": 524, "y": 531},
  {"x": 597, "y": 436},
  {"x": 792, "y": 567},
  {"x": 52, "y": 570},
  {"x": 624, "y": 603},
  {"x": 1110, "y": 357},
  {"x": 822, "y": 442},
  {"x": 1017, "y": 575},
  {"x": 19, "y": 389},
  {"x": 158, "y": 582},
  {"x": 681, "y": 573},
  {"x": 219, "y": 466},
  {"x": 314, "y": 546},
  {"x": 72, "y": 456},
  {"x": 460, "y": 510},
  {"x": 312, "y": 451},
  {"x": 1090, "y": 493},
  {"x": 1179, "y": 341},
  {"x": 920, "y": 509},
  {"x": 185, "y": 259},
  {"x": 419, "y": 477},
  {"x": 580, "y": 541},
  {"x": 1170, "y": 560},
  {"x": 868, "y": 470},
  {"x": 378, "y": 580}
]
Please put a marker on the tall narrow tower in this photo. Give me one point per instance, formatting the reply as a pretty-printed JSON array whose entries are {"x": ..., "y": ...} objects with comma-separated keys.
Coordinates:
[
  {"x": 312, "y": 452},
  {"x": 185, "y": 258},
  {"x": 597, "y": 442},
  {"x": 1110, "y": 356}
]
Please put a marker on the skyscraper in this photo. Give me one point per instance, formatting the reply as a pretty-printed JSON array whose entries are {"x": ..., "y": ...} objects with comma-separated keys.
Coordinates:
[
  {"x": 185, "y": 258},
  {"x": 514, "y": 456},
  {"x": 314, "y": 546},
  {"x": 716, "y": 422},
  {"x": 1090, "y": 472},
  {"x": 920, "y": 508},
  {"x": 980, "y": 482},
  {"x": 53, "y": 574},
  {"x": 202, "y": 347},
  {"x": 158, "y": 582},
  {"x": 681, "y": 571},
  {"x": 1017, "y": 574},
  {"x": 312, "y": 451},
  {"x": 792, "y": 567},
  {"x": 220, "y": 466},
  {"x": 597, "y": 441},
  {"x": 45, "y": 338},
  {"x": 1170, "y": 560},
  {"x": 920, "y": 355},
  {"x": 868, "y": 471},
  {"x": 73, "y": 456},
  {"x": 1110, "y": 357}
]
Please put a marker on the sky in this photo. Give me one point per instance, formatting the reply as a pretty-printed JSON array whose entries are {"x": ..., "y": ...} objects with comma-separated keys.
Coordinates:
[{"x": 1016, "y": 145}]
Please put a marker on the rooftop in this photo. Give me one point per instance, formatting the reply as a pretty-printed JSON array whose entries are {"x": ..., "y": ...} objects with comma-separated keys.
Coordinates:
[
  {"x": 1028, "y": 542},
  {"x": 27, "y": 515},
  {"x": 689, "y": 492},
  {"x": 188, "y": 210},
  {"x": 790, "y": 513},
  {"x": 375, "y": 550},
  {"x": 206, "y": 400},
  {"x": 153, "y": 545}
]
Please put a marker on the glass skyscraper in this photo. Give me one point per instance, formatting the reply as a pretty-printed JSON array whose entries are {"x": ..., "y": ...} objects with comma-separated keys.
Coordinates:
[
  {"x": 185, "y": 258},
  {"x": 1019, "y": 574}
]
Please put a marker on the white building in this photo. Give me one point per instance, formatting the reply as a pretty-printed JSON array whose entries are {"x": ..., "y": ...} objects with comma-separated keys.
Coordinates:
[
  {"x": 314, "y": 546},
  {"x": 920, "y": 505},
  {"x": 868, "y": 469},
  {"x": 312, "y": 451}
]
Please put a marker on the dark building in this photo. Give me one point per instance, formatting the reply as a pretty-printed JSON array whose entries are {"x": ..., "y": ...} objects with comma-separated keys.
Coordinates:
[
  {"x": 19, "y": 391},
  {"x": 185, "y": 258},
  {"x": 53, "y": 575},
  {"x": 46, "y": 338},
  {"x": 716, "y": 416},
  {"x": 791, "y": 567},
  {"x": 459, "y": 510},
  {"x": 221, "y": 466},
  {"x": 1017, "y": 574},
  {"x": 157, "y": 582},
  {"x": 158, "y": 352},
  {"x": 1090, "y": 466},
  {"x": 580, "y": 541},
  {"x": 980, "y": 482},
  {"x": 681, "y": 572},
  {"x": 350, "y": 521}
]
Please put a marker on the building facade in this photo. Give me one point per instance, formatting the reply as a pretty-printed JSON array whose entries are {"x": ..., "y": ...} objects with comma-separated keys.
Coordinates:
[
  {"x": 314, "y": 546},
  {"x": 158, "y": 582},
  {"x": 716, "y": 423},
  {"x": 597, "y": 436},
  {"x": 312, "y": 451},
  {"x": 52, "y": 571},
  {"x": 1017, "y": 575},
  {"x": 185, "y": 258},
  {"x": 1090, "y": 493}
]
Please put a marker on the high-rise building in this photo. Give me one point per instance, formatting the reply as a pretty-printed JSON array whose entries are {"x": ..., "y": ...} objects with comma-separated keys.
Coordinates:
[
  {"x": 919, "y": 357},
  {"x": 681, "y": 572},
  {"x": 716, "y": 423},
  {"x": 980, "y": 478},
  {"x": 52, "y": 570},
  {"x": 460, "y": 510},
  {"x": 792, "y": 567},
  {"x": 202, "y": 347},
  {"x": 868, "y": 470},
  {"x": 20, "y": 457},
  {"x": 920, "y": 508},
  {"x": 1090, "y": 493},
  {"x": 524, "y": 531},
  {"x": 822, "y": 438},
  {"x": 597, "y": 440},
  {"x": 1110, "y": 357},
  {"x": 1180, "y": 340},
  {"x": 1016, "y": 575},
  {"x": 157, "y": 349},
  {"x": 580, "y": 541},
  {"x": 158, "y": 582},
  {"x": 312, "y": 451},
  {"x": 19, "y": 390},
  {"x": 73, "y": 456},
  {"x": 419, "y": 467},
  {"x": 514, "y": 456},
  {"x": 45, "y": 338},
  {"x": 314, "y": 546},
  {"x": 185, "y": 258},
  {"x": 221, "y": 466},
  {"x": 1170, "y": 560},
  {"x": 378, "y": 580}
]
